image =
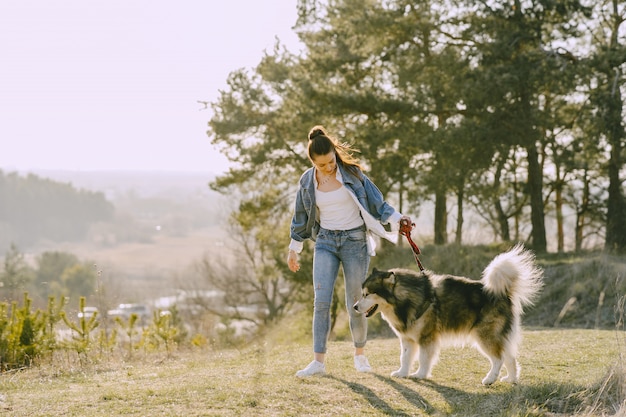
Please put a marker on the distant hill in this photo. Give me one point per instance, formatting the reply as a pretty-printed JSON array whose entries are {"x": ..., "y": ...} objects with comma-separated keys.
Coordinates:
[
  {"x": 34, "y": 208},
  {"x": 108, "y": 207},
  {"x": 144, "y": 183}
]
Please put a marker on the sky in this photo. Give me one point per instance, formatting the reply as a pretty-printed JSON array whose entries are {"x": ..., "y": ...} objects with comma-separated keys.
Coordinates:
[{"x": 115, "y": 85}]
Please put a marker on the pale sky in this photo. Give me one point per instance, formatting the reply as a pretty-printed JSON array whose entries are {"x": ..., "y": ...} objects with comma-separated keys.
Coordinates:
[{"x": 115, "y": 84}]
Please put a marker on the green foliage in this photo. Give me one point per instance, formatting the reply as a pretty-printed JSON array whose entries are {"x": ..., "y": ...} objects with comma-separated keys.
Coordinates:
[
  {"x": 56, "y": 273},
  {"x": 52, "y": 318},
  {"x": 22, "y": 335},
  {"x": 488, "y": 103},
  {"x": 129, "y": 330},
  {"x": 15, "y": 275},
  {"x": 79, "y": 280},
  {"x": 581, "y": 292},
  {"x": 106, "y": 341},
  {"x": 50, "y": 267},
  {"x": 30, "y": 325},
  {"x": 164, "y": 330},
  {"x": 175, "y": 320},
  {"x": 81, "y": 340}
]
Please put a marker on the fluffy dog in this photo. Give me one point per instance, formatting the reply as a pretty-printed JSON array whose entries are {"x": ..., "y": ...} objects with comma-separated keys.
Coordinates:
[{"x": 425, "y": 309}]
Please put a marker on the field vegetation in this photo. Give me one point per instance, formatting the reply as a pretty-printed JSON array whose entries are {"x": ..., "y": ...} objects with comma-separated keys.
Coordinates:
[
  {"x": 505, "y": 120},
  {"x": 565, "y": 373},
  {"x": 571, "y": 359}
]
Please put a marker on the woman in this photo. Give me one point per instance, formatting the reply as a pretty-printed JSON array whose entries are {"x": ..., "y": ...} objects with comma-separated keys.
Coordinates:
[{"x": 338, "y": 207}]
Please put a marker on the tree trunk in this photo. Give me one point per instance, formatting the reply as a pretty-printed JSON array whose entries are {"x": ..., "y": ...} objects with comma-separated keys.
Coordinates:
[
  {"x": 441, "y": 222},
  {"x": 616, "y": 204},
  {"x": 581, "y": 213},
  {"x": 503, "y": 221},
  {"x": 558, "y": 202},
  {"x": 459, "y": 218},
  {"x": 535, "y": 190}
]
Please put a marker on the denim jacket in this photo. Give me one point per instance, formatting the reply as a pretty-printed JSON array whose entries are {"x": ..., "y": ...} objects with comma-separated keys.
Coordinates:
[{"x": 305, "y": 223}]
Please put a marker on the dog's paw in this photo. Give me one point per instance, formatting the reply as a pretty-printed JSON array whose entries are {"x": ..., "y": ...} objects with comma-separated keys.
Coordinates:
[
  {"x": 419, "y": 375},
  {"x": 509, "y": 379},
  {"x": 488, "y": 380},
  {"x": 399, "y": 374}
]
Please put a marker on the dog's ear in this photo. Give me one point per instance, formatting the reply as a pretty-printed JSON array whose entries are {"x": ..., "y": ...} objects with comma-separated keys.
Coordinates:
[{"x": 390, "y": 279}]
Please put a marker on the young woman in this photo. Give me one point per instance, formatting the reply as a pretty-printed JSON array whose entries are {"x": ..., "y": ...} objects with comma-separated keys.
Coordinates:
[{"x": 338, "y": 207}]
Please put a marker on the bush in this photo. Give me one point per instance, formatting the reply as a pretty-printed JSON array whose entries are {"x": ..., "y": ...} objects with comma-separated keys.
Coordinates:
[{"x": 25, "y": 336}]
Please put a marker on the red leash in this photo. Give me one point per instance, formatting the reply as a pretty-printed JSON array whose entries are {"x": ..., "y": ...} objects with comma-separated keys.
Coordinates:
[{"x": 405, "y": 230}]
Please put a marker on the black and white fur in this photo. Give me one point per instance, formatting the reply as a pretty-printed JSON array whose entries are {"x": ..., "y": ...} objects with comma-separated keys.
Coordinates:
[{"x": 425, "y": 310}]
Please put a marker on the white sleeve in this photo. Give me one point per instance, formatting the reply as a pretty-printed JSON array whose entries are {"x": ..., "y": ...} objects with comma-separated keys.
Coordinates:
[
  {"x": 296, "y": 246},
  {"x": 394, "y": 221}
]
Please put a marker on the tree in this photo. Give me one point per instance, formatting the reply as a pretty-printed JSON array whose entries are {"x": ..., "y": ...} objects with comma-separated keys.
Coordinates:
[
  {"x": 517, "y": 60},
  {"x": 498, "y": 195},
  {"x": 79, "y": 280},
  {"x": 395, "y": 83},
  {"x": 561, "y": 148},
  {"x": 587, "y": 199},
  {"x": 608, "y": 62},
  {"x": 49, "y": 270},
  {"x": 15, "y": 276},
  {"x": 81, "y": 330},
  {"x": 256, "y": 285},
  {"x": 436, "y": 93}
]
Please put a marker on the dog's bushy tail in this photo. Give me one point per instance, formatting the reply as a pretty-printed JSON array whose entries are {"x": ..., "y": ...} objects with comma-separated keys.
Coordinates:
[{"x": 516, "y": 275}]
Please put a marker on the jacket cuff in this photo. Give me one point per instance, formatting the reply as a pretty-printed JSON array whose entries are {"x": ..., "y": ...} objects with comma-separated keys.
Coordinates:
[
  {"x": 296, "y": 246},
  {"x": 394, "y": 220}
]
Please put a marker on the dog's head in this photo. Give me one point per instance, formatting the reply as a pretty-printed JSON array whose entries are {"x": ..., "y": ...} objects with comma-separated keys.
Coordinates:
[{"x": 377, "y": 291}]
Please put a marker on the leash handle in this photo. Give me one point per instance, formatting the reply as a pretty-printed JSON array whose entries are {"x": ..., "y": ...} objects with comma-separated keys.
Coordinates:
[{"x": 405, "y": 230}]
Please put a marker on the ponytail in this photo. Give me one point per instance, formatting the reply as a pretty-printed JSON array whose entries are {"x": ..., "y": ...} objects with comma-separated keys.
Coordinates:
[{"x": 321, "y": 143}]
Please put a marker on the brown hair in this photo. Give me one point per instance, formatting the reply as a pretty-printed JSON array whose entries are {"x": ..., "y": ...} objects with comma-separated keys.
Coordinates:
[{"x": 321, "y": 143}]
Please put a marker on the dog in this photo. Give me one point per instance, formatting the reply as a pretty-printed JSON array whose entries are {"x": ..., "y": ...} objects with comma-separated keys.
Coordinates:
[{"x": 426, "y": 310}]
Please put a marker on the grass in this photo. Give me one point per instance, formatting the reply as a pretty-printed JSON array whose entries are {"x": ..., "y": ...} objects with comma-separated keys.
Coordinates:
[{"x": 564, "y": 372}]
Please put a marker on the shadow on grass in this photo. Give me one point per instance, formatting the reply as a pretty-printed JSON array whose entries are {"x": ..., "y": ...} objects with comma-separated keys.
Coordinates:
[
  {"x": 499, "y": 399},
  {"x": 412, "y": 396}
]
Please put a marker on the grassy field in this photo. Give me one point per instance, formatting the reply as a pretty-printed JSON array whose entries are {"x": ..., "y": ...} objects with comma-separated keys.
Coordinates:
[{"x": 564, "y": 372}]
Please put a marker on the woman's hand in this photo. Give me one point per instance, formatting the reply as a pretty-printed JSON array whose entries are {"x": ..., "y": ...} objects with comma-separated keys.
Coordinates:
[
  {"x": 292, "y": 261},
  {"x": 406, "y": 220}
]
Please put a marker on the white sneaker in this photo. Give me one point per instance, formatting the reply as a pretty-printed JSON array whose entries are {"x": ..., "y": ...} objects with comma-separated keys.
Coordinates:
[
  {"x": 361, "y": 364},
  {"x": 313, "y": 368}
]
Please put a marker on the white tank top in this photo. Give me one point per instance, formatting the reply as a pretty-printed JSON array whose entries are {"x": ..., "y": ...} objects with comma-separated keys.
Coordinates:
[{"x": 338, "y": 210}]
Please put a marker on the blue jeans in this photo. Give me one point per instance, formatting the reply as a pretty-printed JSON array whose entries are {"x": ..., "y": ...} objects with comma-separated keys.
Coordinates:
[{"x": 332, "y": 248}]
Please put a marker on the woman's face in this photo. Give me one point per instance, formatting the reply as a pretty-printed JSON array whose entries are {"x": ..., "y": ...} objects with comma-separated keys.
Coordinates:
[{"x": 326, "y": 164}]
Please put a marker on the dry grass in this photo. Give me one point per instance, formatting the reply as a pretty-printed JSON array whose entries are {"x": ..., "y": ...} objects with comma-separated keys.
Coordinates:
[
  {"x": 139, "y": 272},
  {"x": 564, "y": 373},
  {"x": 162, "y": 253}
]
